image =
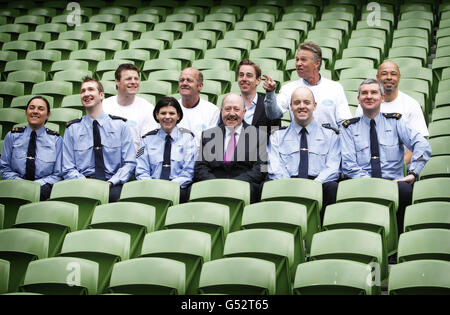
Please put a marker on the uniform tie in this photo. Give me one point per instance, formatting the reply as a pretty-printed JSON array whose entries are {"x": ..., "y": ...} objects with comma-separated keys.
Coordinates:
[
  {"x": 30, "y": 167},
  {"x": 374, "y": 151},
  {"x": 165, "y": 173},
  {"x": 230, "y": 149},
  {"x": 303, "y": 164},
  {"x": 98, "y": 153}
]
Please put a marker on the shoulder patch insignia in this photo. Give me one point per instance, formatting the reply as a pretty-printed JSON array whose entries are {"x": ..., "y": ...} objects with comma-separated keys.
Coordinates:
[
  {"x": 348, "y": 122},
  {"x": 150, "y": 133},
  {"x": 328, "y": 126},
  {"x": 140, "y": 152},
  {"x": 117, "y": 117},
  {"x": 73, "y": 122},
  {"x": 184, "y": 130},
  {"x": 18, "y": 129},
  {"x": 51, "y": 132},
  {"x": 392, "y": 115}
]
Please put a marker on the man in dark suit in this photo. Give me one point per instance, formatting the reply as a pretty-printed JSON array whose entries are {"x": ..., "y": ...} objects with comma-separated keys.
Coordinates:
[
  {"x": 234, "y": 149},
  {"x": 249, "y": 77}
]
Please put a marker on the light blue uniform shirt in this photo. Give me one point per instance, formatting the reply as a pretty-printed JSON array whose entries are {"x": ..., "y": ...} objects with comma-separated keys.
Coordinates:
[
  {"x": 392, "y": 135},
  {"x": 119, "y": 154},
  {"x": 47, "y": 160},
  {"x": 324, "y": 152},
  {"x": 182, "y": 156}
]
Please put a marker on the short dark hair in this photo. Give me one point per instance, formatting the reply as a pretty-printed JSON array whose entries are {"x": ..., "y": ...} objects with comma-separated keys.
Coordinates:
[
  {"x": 168, "y": 101},
  {"x": 40, "y": 98},
  {"x": 99, "y": 85},
  {"x": 122, "y": 67},
  {"x": 248, "y": 62},
  {"x": 314, "y": 48}
]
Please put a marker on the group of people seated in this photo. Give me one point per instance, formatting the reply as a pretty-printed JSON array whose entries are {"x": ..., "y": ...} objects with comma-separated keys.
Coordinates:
[{"x": 189, "y": 140}]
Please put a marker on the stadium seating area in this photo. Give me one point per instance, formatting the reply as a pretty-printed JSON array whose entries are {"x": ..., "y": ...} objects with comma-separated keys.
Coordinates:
[{"x": 219, "y": 243}]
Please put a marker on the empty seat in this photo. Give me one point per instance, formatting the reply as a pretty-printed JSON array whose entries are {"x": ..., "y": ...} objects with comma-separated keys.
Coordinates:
[
  {"x": 425, "y": 215},
  {"x": 55, "y": 89},
  {"x": 133, "y": 218},
  {"x": 432, "y": 189},
  {"x": 440, "y": 145},
  {"x": 4, "y": 276},
  {"x": 73, "y": 76},
  {"x": 150, "y": 275},
  {"x": 8, "y": 90},
  {"x": 61, "y": 276},
  {"x": 424, "y": 244}
]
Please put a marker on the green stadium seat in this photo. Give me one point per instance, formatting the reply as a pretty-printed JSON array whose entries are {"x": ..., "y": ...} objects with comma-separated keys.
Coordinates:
[
  {"x": 432, "y": 189},
  {"x": 228, "y": 18},
  {"x": 136, "y": 56},
  {"x": 95, "y": 5},
  {"x": 109, "y": 20},
  {"x": 271, "y": 245},
  {"x": 358, "y": 73},
  {"x": 363, "y": 52},
  {"x": 150, "y": 20},
  {"x": 109, "y": 65},
  {"x": 427, "y": 215},
  {"x": 4, "y": 276},
  {"x": 440, "y": 113},
  {"x": 109, "y": 46},
  {"x": 277, "y": 54},
  {"x": 166, "y": 36},
  {"x": 210, "y": 64},
  {"x": 193, "y": 248},
  {"x": 424, "y": 244},
  {"x": 105, "y": 247},
  {"x": 53, "y": 275},
  {"x": 368, "y": 42},
  {"x": 333, "y": 277},
  {"x": 350, "y": 84},
  {"x": 150, "y": 66},
  {"x": 45, "y": 56},
  {"x": 92, "y": 56},
  {"x": 410, "y": 52},
  {"x": 2, "y": 207},
  {"x": 53, "y": 217},
  {"x": 267, "y": 18},
  {"x": 40, "y": 38},
  {"x": 109, "y": 88},
  {"x": 61, "y": 116},
  {"x": 21, "y": 47},
  {"x": 158, "y": 193},
  {"x": 30, "y": 20},
  {"x": 412, "y": 41},
  {"x": 10, "y": 117},
  {"x": 65, "y": 46},
  {"x": 95, "y": 28},
  {"x": 157, "y": 88},
  {"x": 171, "y": 76},
  {"x": 209, "y": 36},
  {"x": 123, "y": 36},
  {"x": 82, "y": 37},
  {"x": 199, "y": 46},
  {"x": 224, "y": 77},
  {"x": 63, "y": 65},
  {"x": 232, "y": 55},
  {"x": 371, "y": 33},
  {"x": 137, "y": 28},
  {"x": 218, "y": 27},
  {"x": 420, "y": 277},
  {"x": 55, "y": 89},
  {"x": 53, "y": 28},
  {"x": 438, "y": 64},
  {"x": 310, "y": 196},
  {"x": 208, "y": 217},
  {"x": 258, "y": 26},
  {"x": 244, "y": 45},
  {"x": 211, "y": 89},
  {"x": 72, "y": 101},
  {"x": 84, "y": 192},
  {"x": 309, "y": 18},
  {"x": 187, "y": 56},
  {"x": 288, "y": 34},
  {"x": 131, "y": 5},
  {"x": 285, "y": 43},
  {"x": 347, "y": 63},
  {"x": 27, "y": 77},
  {"x": 382, "y": 192},
  {"x": 352, "y": 244},
  {"x": 20, "y": 247},
  {"x": 177, "y": 28},
  {"x": 122, "y": 12},
  {"x": 238, "y": 276},
  {"x": 437, "y": 166},
  {"x": 108, "y": 76},
  {"x": 137, "y": 221},
  {"x": 152, "y": 275},
  {"x": 230, "y": 9},
  {"x": 186, "y": 18},
  {"x": 159, "y": 11},
  {"x": 9, "y": 13},
  {"x": 46, "y": 12}
]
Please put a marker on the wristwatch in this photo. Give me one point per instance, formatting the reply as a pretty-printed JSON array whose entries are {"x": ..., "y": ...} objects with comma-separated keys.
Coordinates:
[{"x": 411, "y": 172}]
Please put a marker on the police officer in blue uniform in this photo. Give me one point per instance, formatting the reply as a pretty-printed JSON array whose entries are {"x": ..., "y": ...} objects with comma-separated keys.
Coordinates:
[
  {"x": 33, "y": 152},
  {"x": 98, "y": 145},
  {"x": 373, "y": 145},
  {"x": 168, "y": 152},
  {"x": 306, "y": 149}
]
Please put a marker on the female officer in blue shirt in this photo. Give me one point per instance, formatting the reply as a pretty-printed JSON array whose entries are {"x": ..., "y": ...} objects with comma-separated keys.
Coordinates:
[
  {"x": 168, "y": 152},
  {"x": 33, "y": 152}
]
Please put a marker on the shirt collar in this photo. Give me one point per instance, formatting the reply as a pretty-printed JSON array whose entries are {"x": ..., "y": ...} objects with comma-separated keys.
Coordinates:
[
  {"x": 101, "y": 119},
  {"x": 39, "y": 132},
  {"x": 174, "y": 134},
  {"x": 366, "y": 119},
  {"x": 237, "y": 130},
  {"x": 309, "y": 128}
]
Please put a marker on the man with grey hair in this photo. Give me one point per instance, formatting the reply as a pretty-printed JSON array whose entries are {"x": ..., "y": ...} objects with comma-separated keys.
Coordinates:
[
  {"x": 332, "y": 105},
  {"x": 373, "y": 145},
  {"x": 234, "y": 149}
]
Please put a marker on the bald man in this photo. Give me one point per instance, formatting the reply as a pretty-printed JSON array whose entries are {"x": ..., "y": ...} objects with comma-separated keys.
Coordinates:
[
  {"x": 198, "y": 114},
  {"x": 396, "y": 101},
  {"x": 234, "y": 149},
  {"x": 306, "y": 148}
]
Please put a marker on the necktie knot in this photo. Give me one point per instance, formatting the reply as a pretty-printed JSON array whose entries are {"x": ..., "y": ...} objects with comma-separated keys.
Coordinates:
[
  {"x": 168, "y": 138},
  {"x": 372, "y": 122},
  {"x": 303, "y": 131}
]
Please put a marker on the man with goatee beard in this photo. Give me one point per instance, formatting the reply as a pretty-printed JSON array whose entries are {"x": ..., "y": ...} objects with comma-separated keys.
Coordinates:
[{"x": 234, "y": 149}]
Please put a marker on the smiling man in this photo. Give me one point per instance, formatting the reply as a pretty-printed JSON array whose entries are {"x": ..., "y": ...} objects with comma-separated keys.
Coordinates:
[
  {"x": 373, "y": 145},
  {"x": 98, "y": 145},
  {"x": 233, "y": 149},
  {"x": 306, "y": 149},
  {"x": 198, "y": 114},
  {"x": 126, "y": 104},
  {"x": 332, "y": 105}
]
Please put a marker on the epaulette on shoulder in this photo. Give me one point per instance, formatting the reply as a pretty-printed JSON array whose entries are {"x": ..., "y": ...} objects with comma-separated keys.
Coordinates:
[
  {"x": 18, "y": 129},
  {"x": 392, "y": 115},
  {"x": 184, "y": 130},
  {"x": 348, "y": 122},
  {"x": 118, "y": 117},
  {"x": 150, "y": 133},
  {"x": 328, "y": 126},
  {"x": 51, "y": 132},
  {"x": 69, "y": 123}
]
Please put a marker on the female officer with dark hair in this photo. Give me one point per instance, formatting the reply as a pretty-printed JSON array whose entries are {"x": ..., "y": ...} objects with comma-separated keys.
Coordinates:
[
  {"x": 168, "y": 152},
  {"x": 33, "y": 152}
]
